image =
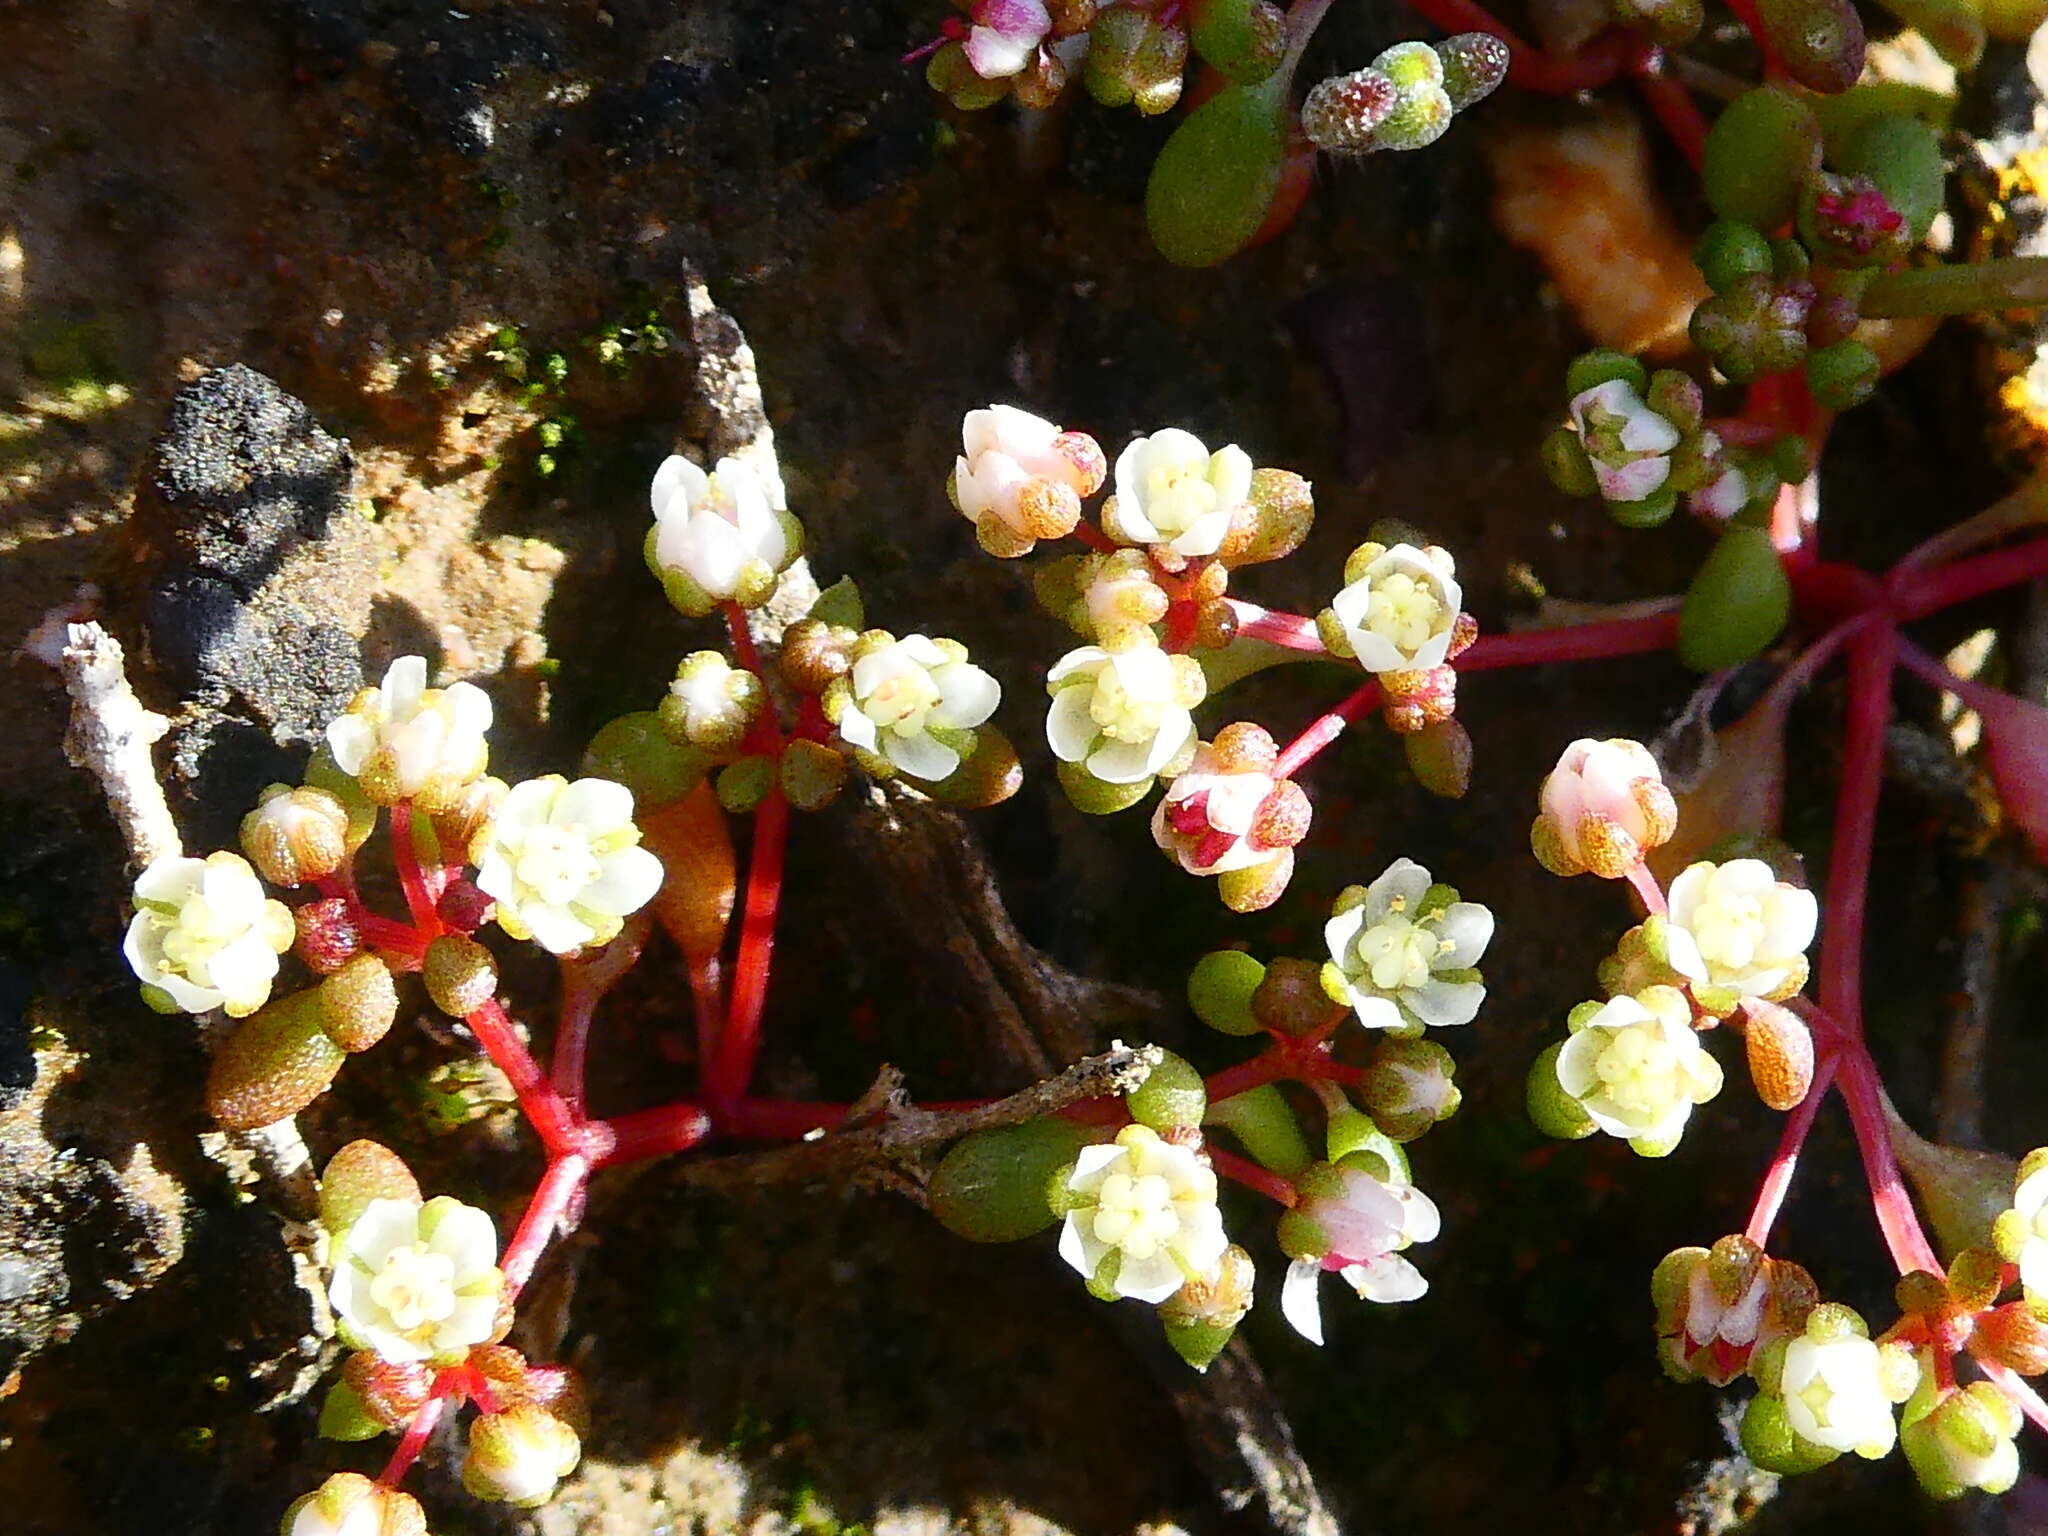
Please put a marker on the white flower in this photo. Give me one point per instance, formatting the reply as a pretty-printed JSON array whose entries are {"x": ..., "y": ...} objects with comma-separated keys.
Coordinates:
[
  {"x": 1835, "y": 1394},
  {"x": 1601, "y": 809},
  {"x": 414, "y": 1281},
  {"x": 1020, "y": 478},
  {"x": 563, "y": 862},
  {"x": 1402, "y": 952},
  {"x": 901, "y": 691},
  {"x": 206, "y": 935},
  {"x": 1361, "y": 1222},
  {"x": 1204, "y": 821},
  {"x": 1963, "y": 1439},
  {"x": 1123, "y": 714},
  {"x": 1630, "y": 444},
  {"x": 1171, "y": 490},
  {"x": 717, "y": 538},
  {"x": 1737, "y": 927},
  {"x": 406, "y": 741},
  {"x": 1149, "y": 1206},
  {"x": 1636, "y": 1067},
  {"x": 349, "y": 1504},
  {"x": 1005, "y": 34},
  {"x": 2021, "y": 1233},
  {"x": 1398, "y": 614}
]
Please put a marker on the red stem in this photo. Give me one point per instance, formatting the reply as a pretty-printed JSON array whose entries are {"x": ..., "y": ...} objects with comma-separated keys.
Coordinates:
[
  {"x": 1896, "y": 1218},
  {"x": 1785, "y": 1161},
  {"x": 376, "y": 930},
  {"x": 654, "y": 1133},
  {"x": 1572, "y": 642},
  {"x": 586, "y": 978},
  {"x": 1871, "y": 653},
  {"x": 1096, "y": 539},
  {"x": 1242, "y": 1170},
  {"x": 546, "y": 1213},
  {"x": 732, "y": 1060},
  {"x": 1670, "y": 102},
  {"x": 1328, "y": 728},
  {"x": 419, "y": 899},
  {"x": 1923, "y": 592},
  {"x": 415, "y": 1438},
  {"x": 559, "y": 1126},
  {"x": 1289, "y": 630}
]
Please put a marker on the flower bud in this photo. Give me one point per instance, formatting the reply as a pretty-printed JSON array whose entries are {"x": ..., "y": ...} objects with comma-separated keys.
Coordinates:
[
  {"x": 811, "y": 774},
  {"x": 1201, "y": 1316},
  {"x": 516, "y": 1457},
  {"x": 390, "y": 1391},
  {"x": 1757, "y": 326},
  {"x": 464, "y": 906},
  {"x": 361, "y": 1172},
  {"x": 1408, "y": 1087},
  {"x": 744, "y": 784},
  {"x": 1290, "y": 998},
  {"x": 2014, "y": 1336},
  {"x": 1116, "y": 599},
  {"x": 278, "y": 1060},
  {"x": 1135, "y": 60},
  {"x": 1716, "y": 1307},
  {"x": 1961, "y": 1439},
  {"x": 358, "y": 1003},
  {"x": 995, "y": 1186},
  {"x": 1341, "y": 114},
  {"x": 1603, "y": 807},
  {"x": 460, "y": 974},
  {"x": 1419, "y": 698},
  {"x": 465, "y": 821},
  {"x": 950, "y": 74},
  {"x": 1842, "y": 375},
  {"x": 712, "y": 704},
  {"x": 295, "y": 835},
  {"x": 1846, "y": 222},
  {"x": 814, "y": 653},
  {"x": 349, "y": 1504},
  {"x": 1820, "y": 43},
  {"x": 1276, "y": 516},
  {"x": 1440, "y": 757},
  {"x": 1780, "y": 1052},
  {"x": 325, "y": 935}
]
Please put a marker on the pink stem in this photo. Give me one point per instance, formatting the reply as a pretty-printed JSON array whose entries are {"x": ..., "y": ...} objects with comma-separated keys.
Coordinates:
[
  {"x": 1670, "y": 102},
  {"x": 732, "y": 1061},
  {"x": 376, "y": 930},
  {"x": 2008, "y": 1381},
  {"x": 546, "y": 1213},
  {"x": 419, "y": 900},
  {"x": 1896, "y": 1218},
  {"x": 1976, "y": 695},
  {"x": 1785, "y": 1161},
  {"x": 585, "y": 980},
  {"x": 1289, "y": 630},
  {"x": 415, "y": 1438},
  {"x": 1242, "y": 1170},
  {"x": 1923, "y": 592},
  {"x": 1871, "y": 652},
  {"x": 1572, "y": 642},
  {"x": 558, "y": 1125},
  {"x": 1647, "y": 887},
  {"x": 1323, "y": 731}
]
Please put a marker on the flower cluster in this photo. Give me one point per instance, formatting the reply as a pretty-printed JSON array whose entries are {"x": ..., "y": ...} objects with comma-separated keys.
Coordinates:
[
  {"x": 1726, "y": 937},
  {"x": 1401, "y": 617},
  {"x": 721, "y": 537},
  {"x": 1637, "y": 440},
  {"x": 1405, "y": 98}
]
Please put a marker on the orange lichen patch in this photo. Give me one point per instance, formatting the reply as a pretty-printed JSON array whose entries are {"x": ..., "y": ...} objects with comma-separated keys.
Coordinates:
[{"x": 1580, "y": 197}]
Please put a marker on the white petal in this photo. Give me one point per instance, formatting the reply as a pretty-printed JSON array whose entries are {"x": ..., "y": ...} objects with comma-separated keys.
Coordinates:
[
  {"x": 1399, "y": 889},
  {"x": 384, "y": 1224},
  {"x": 1376, "y": 1012},
  {"x": 597, "y": 805},
  {"x": 1093, "y": 1159},
  {"x": 1069, "y": 727},
  {"x": 1299, "y": 1302},
  {"x": 1469, "y": 928},
  {"x": 1121, "y": 762},
  {"x": 1687, "y": 890},
  {"x": 1444, "y": 1002},
  {"x": 919, "y": 755},
  {"x": 460, "y": 1233},
  {"x": 474, "y": 1320},
  {"x": 1081, "y": 658},
  {"x": 1172, "y": 737},
  {"x": 404, "y": 681},
  {"x": 1075, "y": 1245},
  {"x": 1389, "y": 1278},
  {"x": 967, "y": 696},
  {"x": 1151, "y": 1279},
  {"x": 994, "y": 56},
  {"x": 351, "y": 739},
  {"x": 627, "y": 881},
  {"x": 1682, "y": 951},
  {"x": 677, "y": 474},
  {"x": 555, "y": 929},
  {"x": 856, "y": 729},
  {"x": 1340, "y": 931},
  {"x": 170, "y": 880},
  {"x": 469, "y": 708}
]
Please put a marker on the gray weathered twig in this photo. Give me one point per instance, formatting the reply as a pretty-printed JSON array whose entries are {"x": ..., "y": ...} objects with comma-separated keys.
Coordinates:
[{"x": 110, "y": 735}]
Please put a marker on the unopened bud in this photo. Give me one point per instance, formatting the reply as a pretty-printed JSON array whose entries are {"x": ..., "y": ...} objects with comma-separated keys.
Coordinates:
[
  {"x": 1343, "y": 113},
  {"x": 516, "y": 1457},
  {"x": 1215, "y": 624},
  {"x": 712, "y": 704},
  {"x": 744, "y": 784},
  {"x": 1440, "y": 757},
  {"x": 995, "y": 1186},
  {"x": 278, "y": 1060},
  {"x": 349, "y": 1504},
  {"x": 466, "y": 819},
  {"x": 326, "y": 935},
  {"x": 814, "y": 653},
  {"x": 2014, "y": 1336},
  {"x": 1172, "y": 1097},
  {"x": 1408, "y": 1087},
  {"x": 460, "y": 974},
  {"x": 1419, "y": 698},
  {"x": 296, "y": 835},
  {"x": 464, "y": 906},
  {"x": 1780, "y": 1052},
  {"x": 1135, "y": 60},
  {"x": 1277, "y": 515},
  {"x": 1603, "y": 807},
  {"x": 358, "y": 1003},
  {"x": 1820, "y": 43},
  {"x": 1474, "y": 64},
  {"x": 1290, "y": 999},
  {"x": 361, "y": 1172}
]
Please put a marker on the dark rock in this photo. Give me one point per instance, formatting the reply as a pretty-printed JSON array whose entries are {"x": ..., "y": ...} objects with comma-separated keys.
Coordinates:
[
  {"x": 17, "y": 1058},
  {"x": 261, "y": 587}
]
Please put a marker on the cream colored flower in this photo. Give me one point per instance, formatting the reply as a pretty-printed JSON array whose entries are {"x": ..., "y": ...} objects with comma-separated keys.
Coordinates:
[
  {"x": 1400, "y": 608},
  {"x": 1836, "y": 1396},
  {"x": 406, "y": 741},
  {"x": 717, "y": 538},
  {"x": 2021, "y": 1233},
  {"x": 349, "y": 1504},
  {"x": 1629, "y": 444},
  {"x": 206, "y": 935},
  {"x": 1601, "y": 809},
  {"x": 1124, "y": 715},
  {"x": 1172, "y": 491},
  {"x": 1636, "y": 1067},
  {"x": 1403, "y": 952},
  {"x": 414, "y": 1281},
  {"x": 903, "y": 699},
  {"x": 563, "y": 862},
  {"x": 1141, "y": 1217},
  {"x": 517, "y": 1456},
  {"x": 1736, "y": 928},
  {"x": 1020, "y": 478}
]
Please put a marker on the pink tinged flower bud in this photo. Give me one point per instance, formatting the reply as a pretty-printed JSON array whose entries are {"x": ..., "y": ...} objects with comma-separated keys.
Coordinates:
[
  {"x": 1340, "y": 114},
  {"x": 1004, "y": 36},
  {"x": 464, "y": 907},
  {"x": 1716, "y": 1307},
  {"x": 516, "y": 1457},
  {"x": 349, "y": 1504},
  {"x": 1602, "y": 806},
  {"x": 326, "y": 937},
  {"x": 1020, "y": 479}
]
